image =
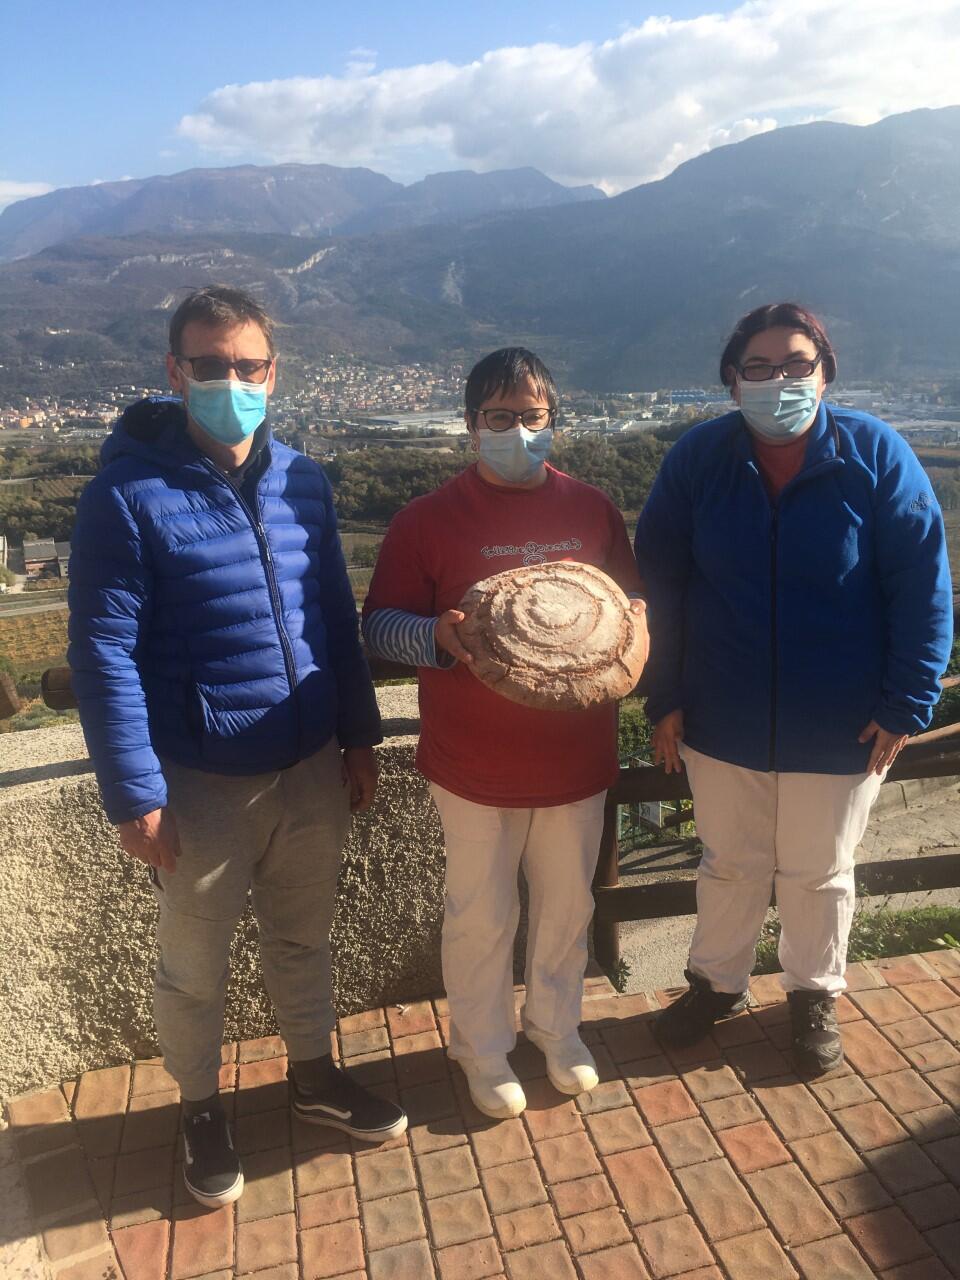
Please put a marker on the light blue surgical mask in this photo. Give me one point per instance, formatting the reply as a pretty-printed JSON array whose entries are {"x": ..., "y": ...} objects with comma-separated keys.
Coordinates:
[
  {"x": 228, "y": 410},
  {"x": 516, "y": 454},
  {"x": 781, "y": 407}
]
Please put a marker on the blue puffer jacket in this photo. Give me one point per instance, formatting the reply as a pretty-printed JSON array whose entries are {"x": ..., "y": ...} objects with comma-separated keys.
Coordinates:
[
  {"x": 209, "y": 623},
  {"x": 781, "y": 631}
]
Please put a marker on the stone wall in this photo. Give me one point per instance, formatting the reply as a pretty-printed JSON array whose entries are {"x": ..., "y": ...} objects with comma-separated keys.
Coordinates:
[{"x": 77, "y": 916}]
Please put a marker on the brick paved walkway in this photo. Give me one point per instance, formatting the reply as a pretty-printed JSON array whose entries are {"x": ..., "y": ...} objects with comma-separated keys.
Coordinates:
[{"x": 709, "y": 1163}]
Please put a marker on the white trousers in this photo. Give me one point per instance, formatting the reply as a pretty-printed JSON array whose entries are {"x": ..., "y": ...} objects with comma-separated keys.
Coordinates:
[
  {"x": 796, "y": 833},
  {"x": 558, "y": 848}
]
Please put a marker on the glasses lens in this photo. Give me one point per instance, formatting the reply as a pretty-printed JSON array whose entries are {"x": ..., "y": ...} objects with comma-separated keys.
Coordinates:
[
  {"x": 498, "y": 419},
  {"x": 799, "y": 369},
  {"x": 758, "y": 372},
  {"x": 252, "y": 370},
  {"x": 208, "y": 368},
  {"x": 535, "y": 417}
]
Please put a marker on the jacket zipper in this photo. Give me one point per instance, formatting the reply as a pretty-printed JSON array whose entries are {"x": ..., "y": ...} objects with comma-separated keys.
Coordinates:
[
  {"x": 773, "y": 638},
  {"x": 269, "y": 569}
]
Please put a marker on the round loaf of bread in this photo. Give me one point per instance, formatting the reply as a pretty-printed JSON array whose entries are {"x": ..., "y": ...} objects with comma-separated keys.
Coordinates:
[{"x": 558, "y": 636}]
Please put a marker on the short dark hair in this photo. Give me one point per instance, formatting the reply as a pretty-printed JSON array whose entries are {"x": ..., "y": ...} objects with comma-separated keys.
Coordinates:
[
  {"x": 219, "y": 306},
  {"x": 776, "y": 315},
  {"x": 504, "y": 370}
]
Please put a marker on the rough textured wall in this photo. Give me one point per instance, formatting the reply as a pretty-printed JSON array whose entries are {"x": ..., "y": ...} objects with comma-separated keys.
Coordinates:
[{"x": 77, "y": 916}]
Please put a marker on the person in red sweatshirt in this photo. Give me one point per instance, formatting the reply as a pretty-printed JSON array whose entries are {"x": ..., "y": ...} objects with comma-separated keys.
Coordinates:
[{"x": 513, "y": 785}]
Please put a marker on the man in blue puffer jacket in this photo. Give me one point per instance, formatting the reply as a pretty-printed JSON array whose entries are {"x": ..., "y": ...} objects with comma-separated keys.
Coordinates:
[{"x": 228, "y": 710}]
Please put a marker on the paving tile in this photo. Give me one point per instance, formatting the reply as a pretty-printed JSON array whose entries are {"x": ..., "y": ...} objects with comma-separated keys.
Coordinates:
[
  {"x": 791, "y": 1205},
  {"x": 727, "y": 1113},
  {"x": 262, "y": 1086},
  {"x": 925, "y": 1269},
  {"x": 501, "y": 1143},
  {"x": 719, "y": 1201},
  {"x": 443, "y": 1172},
  {"x": 932, "y": 1123},
  {"x": 143, "y": 1170},
  {"x": 713, "y": 1081},
  {"x": 101, "y": 1170},
  {"x": 438, "y": 1135},
  {"x": 333, "y": 1250},
  {"x": 904, "y": 1091},
  {"x": 753, "y": 1146},
  {"x": 647, "y": 1071},
  {"x": 869, "y": 1125},
  {"x": 643, "y": 1184},
  {"x": 267, "y": 1242},
  {"x": 410, "y": 1019},
  {"x": 475, "y": 1260},
  {"x": 887, "y": 1237},
  {"x": 526, "y": 1227},
  {"x": 851, "y": 1197},
  {"x": 629, "y": 1040},
  {"x": 57, "y": 1183},
  {"x": 946, "y": 963},
  {"x": 102, "y": 1093},
  {"x": 672, "y": 1246},
  {"x": 103, "y": 1266},
  {"x": 402, "y": 1262},
  {"x": 947, "y": 1082},
  {"x": 755, "y": 1257},
  {"x": 858, "y": 976},
  {"x": 549, "y": 1114},
  {"x": 46, "y": 1108},
  {"x": 621, "y": 1263},
  {"x": 932, "y": 1207},
  {"x": 903, "y": 1168},
  {"x": 420, "y": 1059},
  {"x": 385, "y": 1173},
  {"x": 268, "y": 1187},
  {"x": 583, "y": 1195},
  {"x": 793, "y": 1109},
  {"x": 609, "y": 1095},
  {"x": 326, "y": 1207},
  {"x": 827, "y": 1158},
  {"x": 925, "y": 996},
  {"x": 393, "y": 1220},
  {"x": 570, "y": 1156},
  {"x": 153, "y": 1120},
  {"x": 686, "y": 1142},
  {"x": 946, "y": 1153},
  {"x": 264, "y": 1047},
  {"x": 355, "y": 1022},
  {"x": 832, "y": 1259},
  {"x": 932, "y": 1055},
  {"x": 598, "y": 1229},
  {"x": 899, "y": 970},
  {"x": 846, "y": 1010},
  {"x": 513, "y": 1186},
  {"x": 81, "y": 1233},
  {"x": 144, "y": 1206},
  {"x": 540, "y": 1261},
  {"x": 458, "y": 1218},
  {"x": 883, "y": 1005},
  {"x": 202, "y": 1240},
  {"x": 101, "y": 1136},
  {"x": 946, "y": 1241},
  {"x": 366, "y": 1041},
  {"x": 142, "y": 1250},
  {"x": 618, "y": 1130},
  {"x": 903, "y": 1035},
  {"x": 665, "y": 1103},
  {"x": 868, "y": 1052},
  {"x": 425, "y": 1102},
  {"x": 740, "y": 1029},
  {"x": 322, "y": 1171},
  {"x": 263, "y": 1130},
  {"x": 753, "y": 1062}
]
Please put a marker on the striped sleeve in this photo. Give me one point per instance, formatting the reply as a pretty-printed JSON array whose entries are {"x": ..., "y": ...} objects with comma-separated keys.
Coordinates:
[{"x": 405, "y": 637}]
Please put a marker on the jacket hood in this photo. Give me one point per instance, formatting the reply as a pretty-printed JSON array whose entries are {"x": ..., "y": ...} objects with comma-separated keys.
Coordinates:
[{"x": 155, "y": 429}]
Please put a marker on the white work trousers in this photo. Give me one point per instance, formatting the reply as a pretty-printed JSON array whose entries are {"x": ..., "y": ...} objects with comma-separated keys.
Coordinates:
[
  {"x": 793, "y": 832},
  {"x": 558, "y": 848}
]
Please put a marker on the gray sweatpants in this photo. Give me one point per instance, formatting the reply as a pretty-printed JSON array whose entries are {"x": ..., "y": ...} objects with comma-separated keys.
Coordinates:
[{"x": 280, "y": 834}]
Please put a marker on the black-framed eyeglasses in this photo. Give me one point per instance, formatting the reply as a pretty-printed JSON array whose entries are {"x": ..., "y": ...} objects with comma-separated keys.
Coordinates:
[
  {"x": 790, "y": 369},
  {"x": 214, "y": 368},
  {"x": 504, "y": 419}
]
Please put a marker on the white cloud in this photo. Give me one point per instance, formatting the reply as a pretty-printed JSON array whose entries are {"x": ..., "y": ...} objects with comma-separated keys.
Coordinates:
[
  {"x": 13, "y": 191},
  {"x": 615, "y": 113}
]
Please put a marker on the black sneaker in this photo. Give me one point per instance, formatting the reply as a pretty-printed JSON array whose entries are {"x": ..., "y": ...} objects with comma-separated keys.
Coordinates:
[
  {"x": 343, "y": 1104},
  {"x": 689, "y": 1019},
  {"x": 817, "y": 1047},
  {"x": 211, "y": 1167}
]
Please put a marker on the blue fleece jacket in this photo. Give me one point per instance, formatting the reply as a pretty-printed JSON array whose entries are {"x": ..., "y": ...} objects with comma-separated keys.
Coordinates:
[
  {"x": 780, "y": 630},
  {"x": 211, "y": 622}
]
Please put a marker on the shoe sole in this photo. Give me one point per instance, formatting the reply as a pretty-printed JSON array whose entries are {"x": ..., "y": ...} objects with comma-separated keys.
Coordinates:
[
  {"x": 232, "y": 1193},
  {"x": 362, "y": 1135},
  {"x": 572, "y": 1091}
]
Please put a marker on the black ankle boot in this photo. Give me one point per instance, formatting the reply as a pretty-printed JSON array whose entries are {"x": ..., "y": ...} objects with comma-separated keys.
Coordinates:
[
  {"x": 689, "y": 1019},
  {"x": 816, "y": 1036}
]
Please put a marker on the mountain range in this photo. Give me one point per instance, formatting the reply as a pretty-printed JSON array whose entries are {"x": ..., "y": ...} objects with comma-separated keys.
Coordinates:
[{"x": 635, "y": 291}]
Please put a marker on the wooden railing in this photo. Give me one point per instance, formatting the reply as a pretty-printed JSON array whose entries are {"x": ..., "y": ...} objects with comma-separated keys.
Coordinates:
[{"x": 929, "y": 755}]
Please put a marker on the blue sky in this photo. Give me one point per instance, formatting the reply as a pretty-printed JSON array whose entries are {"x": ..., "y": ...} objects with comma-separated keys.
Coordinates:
[{"x": 587, "y": 92}]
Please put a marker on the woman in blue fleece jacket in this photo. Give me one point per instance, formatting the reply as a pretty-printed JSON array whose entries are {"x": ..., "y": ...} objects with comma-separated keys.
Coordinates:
[{"x": 800, "y": 618}]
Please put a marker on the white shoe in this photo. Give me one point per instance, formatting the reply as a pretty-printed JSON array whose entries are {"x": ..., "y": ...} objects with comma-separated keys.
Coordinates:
[
  {"x": 494, "y": 1088},
  {"x": 570, "y": 1064}
]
